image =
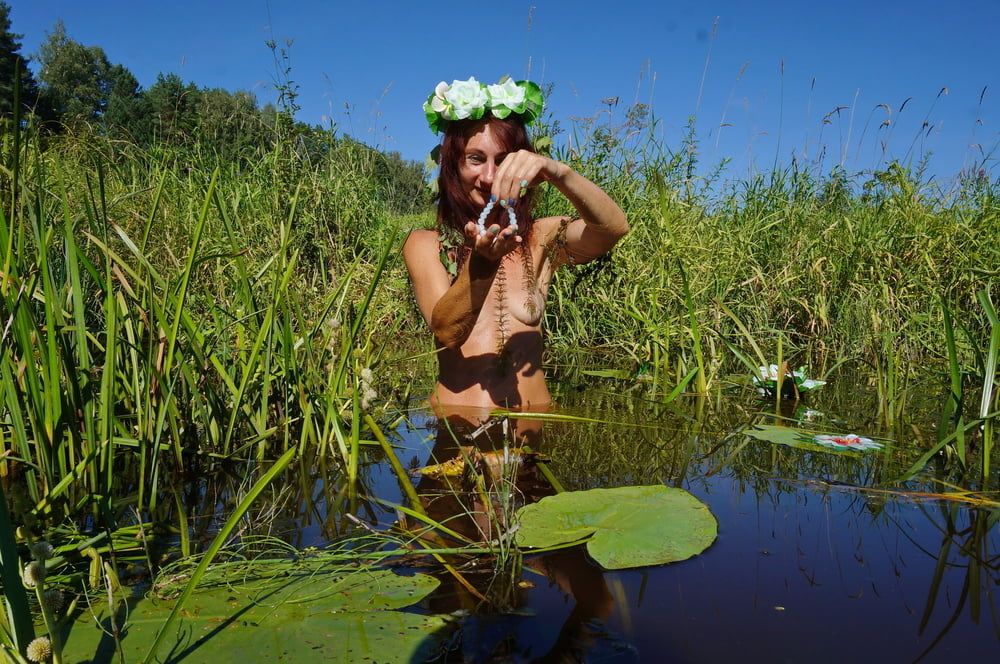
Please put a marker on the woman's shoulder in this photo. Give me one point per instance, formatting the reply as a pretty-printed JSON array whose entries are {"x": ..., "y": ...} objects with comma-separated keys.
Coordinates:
[
  {"x": 421, "y": 235},
  {"x": 548, "y": 229},
  {"x": 422, "y": 238}
]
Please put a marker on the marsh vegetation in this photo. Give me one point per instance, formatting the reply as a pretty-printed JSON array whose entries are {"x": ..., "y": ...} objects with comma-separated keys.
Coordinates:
[{"x": 211, "y": 371}]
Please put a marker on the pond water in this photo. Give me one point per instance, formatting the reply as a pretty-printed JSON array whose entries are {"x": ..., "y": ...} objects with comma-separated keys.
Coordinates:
[{"x": 820, "y": 557}]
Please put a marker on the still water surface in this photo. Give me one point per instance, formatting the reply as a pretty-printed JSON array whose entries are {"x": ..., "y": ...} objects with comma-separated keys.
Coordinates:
[{"x": 809, "y": 566}]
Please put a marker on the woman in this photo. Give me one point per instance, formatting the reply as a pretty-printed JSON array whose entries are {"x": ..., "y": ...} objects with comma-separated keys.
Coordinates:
[
  {"x": 481, "y": 281},
  {"x": 487, "y": 316}
]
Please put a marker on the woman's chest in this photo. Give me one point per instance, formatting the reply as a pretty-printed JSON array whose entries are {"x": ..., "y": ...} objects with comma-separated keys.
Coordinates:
[{"x": 518, "y": 293}]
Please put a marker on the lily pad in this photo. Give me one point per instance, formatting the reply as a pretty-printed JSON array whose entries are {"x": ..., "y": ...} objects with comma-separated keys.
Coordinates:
[
  {"x": 344, "y": 618},
  {"x": 630, "y": 526}
]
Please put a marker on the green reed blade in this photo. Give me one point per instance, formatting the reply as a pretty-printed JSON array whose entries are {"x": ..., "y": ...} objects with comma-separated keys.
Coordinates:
[
  {"x": 680, "y": 387},
  {"x": 388, "y": 248},
  {"x": 182, "y": 524},
  {"x": 420, "y": 515},
  {"x": 15, "y": 409},
  {"x": 333, "y": 421},
  {"x": 15, "y": 157},
  {"x": 70, "y": 477},
  {"x": 937, "y": 447},
  {"x": 952, "y": 412},
  {"x": 151, "y": 216},
  {"x": 252, "y": 367},
  {"x": 107, "y": 401},
  {"x": 989, "y": 380},
  {"x": 355, "y": 443},
  {"x": 246, "y": 294},
  {"x": 401, "y": 475},
  {"x": 15, "y": 599},
  {"x": 761, "y": 358},
  {"x": 180, "y": 295},
  {"x": 695, "y": 329}
]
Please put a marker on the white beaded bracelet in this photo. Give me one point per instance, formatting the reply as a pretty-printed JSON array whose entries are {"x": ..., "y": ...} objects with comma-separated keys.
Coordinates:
[
  {"x": 481, "y": 223},
  {"x": 482, "y": 217}
]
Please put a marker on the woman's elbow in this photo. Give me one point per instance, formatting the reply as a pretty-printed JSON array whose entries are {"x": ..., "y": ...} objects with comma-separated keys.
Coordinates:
[
  {"x": 623, "y": 227},
  {"x": 447, "y": 334},
  {"x": 617, "y": 230}
]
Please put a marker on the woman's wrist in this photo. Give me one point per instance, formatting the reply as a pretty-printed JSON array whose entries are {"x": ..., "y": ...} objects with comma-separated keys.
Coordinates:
[{"x": 557, "y": 171}]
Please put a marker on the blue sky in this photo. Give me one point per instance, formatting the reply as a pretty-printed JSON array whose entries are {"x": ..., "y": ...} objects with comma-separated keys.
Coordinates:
[{"x": 368, "y": 68}]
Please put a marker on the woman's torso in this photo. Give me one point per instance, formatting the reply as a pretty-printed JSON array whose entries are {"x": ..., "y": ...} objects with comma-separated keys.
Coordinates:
[{"x": 500, "y": 364}]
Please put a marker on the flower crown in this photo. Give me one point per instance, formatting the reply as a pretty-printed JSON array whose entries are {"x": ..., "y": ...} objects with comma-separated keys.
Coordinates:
[{"x": 469, "y": 100}]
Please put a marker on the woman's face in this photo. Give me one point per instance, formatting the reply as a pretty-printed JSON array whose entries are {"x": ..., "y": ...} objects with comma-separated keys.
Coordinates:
[{"x": 483, "y": 156}]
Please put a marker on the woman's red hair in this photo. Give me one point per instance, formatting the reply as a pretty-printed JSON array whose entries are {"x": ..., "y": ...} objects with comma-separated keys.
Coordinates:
[{"x": 455, "y": 208}]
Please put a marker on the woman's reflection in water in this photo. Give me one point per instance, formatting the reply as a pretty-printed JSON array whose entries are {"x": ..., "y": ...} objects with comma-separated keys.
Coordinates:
[{"x": 475, "y": 492}]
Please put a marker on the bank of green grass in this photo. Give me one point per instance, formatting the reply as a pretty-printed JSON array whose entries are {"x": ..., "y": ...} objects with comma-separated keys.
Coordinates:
[{"x": 837, "y": 267}]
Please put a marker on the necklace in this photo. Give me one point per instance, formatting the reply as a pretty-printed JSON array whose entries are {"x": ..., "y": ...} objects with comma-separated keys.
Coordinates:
[{"x": 452, "y": 243}]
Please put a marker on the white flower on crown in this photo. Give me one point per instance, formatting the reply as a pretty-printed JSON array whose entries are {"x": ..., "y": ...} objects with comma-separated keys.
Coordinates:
[
  {"x": 465, "y": 97},
  {"x": 438, "y": 102},
  {"x": 508, "y": 94}
]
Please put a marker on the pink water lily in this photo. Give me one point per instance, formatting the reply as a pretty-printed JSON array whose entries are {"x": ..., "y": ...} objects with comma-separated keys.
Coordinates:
[{"x": 850, "y": 441}]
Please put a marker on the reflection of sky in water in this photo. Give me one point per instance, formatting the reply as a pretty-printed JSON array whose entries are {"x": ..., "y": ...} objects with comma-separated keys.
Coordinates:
[
  {"x": 810, "y": 576},
  {"x": 802, "y": 570}
]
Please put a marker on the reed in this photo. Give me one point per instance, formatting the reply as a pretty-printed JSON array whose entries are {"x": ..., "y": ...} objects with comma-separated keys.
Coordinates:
[{"x": 152, "y": 319}]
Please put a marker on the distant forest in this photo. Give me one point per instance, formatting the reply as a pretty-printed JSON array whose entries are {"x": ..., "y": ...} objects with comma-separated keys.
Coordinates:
[{"x": 78, "y": 90}]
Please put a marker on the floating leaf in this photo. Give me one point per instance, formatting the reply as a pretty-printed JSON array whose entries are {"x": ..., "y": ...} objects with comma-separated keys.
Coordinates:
[
  {"x": 312, "y": 617},
  {"x": 628, "y": 526}
]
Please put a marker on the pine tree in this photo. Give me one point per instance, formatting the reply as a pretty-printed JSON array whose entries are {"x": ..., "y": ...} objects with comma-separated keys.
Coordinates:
[{"x": 11, "y": 61}]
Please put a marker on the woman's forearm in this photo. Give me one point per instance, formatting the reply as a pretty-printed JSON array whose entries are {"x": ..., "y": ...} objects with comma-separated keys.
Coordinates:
[
  {"x": 455, "y": 314},
  {"x": 594, "y": 206}
]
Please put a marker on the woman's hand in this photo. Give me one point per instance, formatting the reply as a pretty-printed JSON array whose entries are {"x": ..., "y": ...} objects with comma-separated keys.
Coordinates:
[
  {"x": 495, "y": 244},
  {"x": 525, "y": 167}
]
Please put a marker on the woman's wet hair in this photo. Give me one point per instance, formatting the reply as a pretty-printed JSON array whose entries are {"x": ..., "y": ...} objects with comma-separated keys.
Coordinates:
[{"x": 455, "y": 208}]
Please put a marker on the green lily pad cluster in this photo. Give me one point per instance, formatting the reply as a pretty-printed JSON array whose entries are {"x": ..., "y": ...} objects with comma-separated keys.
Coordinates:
[
  {"x": 471, "y": 100},
  {"x": 339, "y": 617}
]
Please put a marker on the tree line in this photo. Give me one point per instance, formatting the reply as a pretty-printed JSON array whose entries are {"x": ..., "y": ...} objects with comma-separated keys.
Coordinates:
[{"x": 79, "y": 89}]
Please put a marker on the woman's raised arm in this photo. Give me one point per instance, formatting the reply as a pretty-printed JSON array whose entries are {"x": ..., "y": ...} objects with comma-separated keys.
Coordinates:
[{"x": 601, "y": 221}]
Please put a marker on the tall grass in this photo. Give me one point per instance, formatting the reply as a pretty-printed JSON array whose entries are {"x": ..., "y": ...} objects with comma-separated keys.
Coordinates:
[
  {"x": 839, "y": 265},
  {"x": 160, "y": 313}
]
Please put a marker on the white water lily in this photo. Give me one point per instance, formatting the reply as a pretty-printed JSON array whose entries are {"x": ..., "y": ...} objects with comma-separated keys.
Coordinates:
[
  {"x": 508, "y": 94},
  {"x": 811, "y": 415},
  {"x": 767, "y": 379},
  {"x": 465, "y": 97},
  {"x": 769, "y": 373}
]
